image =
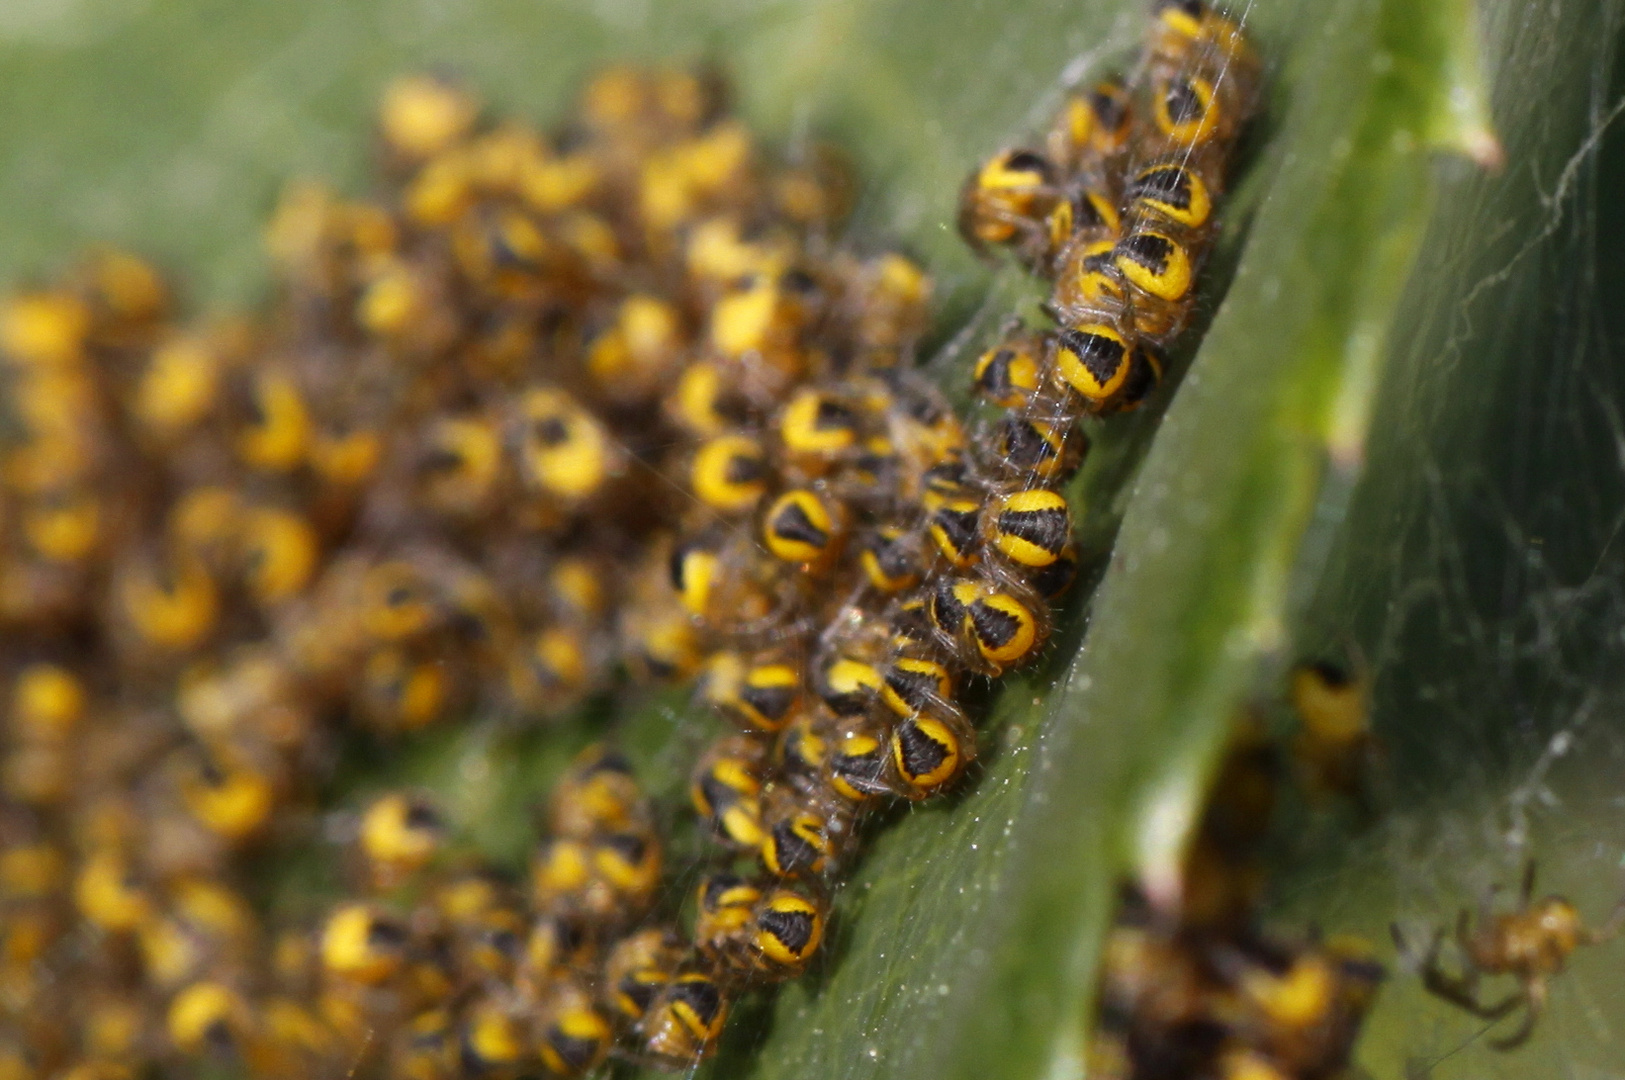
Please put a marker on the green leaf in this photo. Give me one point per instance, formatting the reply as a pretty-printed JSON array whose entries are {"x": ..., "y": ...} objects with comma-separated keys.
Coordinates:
[
  {"x": 1407, "y": 383},
  {"x": 1478, "y": 567}
]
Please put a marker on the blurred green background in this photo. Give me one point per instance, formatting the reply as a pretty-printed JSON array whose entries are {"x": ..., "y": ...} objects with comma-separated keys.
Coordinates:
[{"x": 169, "y": 124}]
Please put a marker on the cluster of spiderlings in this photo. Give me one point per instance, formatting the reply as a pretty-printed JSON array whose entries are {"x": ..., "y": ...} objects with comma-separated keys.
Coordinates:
[
  {"x": 854, "y": 558},
  {"x": 611, "y": 394},
  {"x": 413, "y": 489},
  {"x": 1202, "y": 991},
  {"x": 448, "y": 970},
  {"x": 442, "y": 968},
  {"x": 1118, "y": 212}
]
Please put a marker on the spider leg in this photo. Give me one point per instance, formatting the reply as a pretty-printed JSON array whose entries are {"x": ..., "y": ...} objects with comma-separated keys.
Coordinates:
[
  {"x": 1457, "y": 989},
  {"x": 1462, "y": 992},
  {"x": 1400, "y": 944},
  {"x": 1464, "y": 930},
  {"x": 1526, "y": 893},
  {"x": 1534, "y": 998}
]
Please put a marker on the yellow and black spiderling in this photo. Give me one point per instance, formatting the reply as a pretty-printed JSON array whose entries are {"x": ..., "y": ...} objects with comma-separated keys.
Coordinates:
[
  {"x": 757, "y": 932},
  {"x": 553, "y": 668},
  {"x": 857, "y": 766},
  {"x": 1171, "y": 191},
  {"x": 726, "y": 790},
  {"x": 280, "y": 554},
  {"x": 913, "y": 685},
  {"x": 399, "y": 834},
  {"x": 759, "y": 693},
  {"x": 1092, "y": 361},
  {"x": 1303, "y": 1011},
  {"x": 800, "y": 752},
  {"x": 761, "y": 317},
  {"x": 1040, "y": 447},
  {"x": 233, "y": 800},
  {"x": 954, "y": 528},
  {"x": 207, "y": 1018},
  {"x": 1193, "y": 35},
  {"x": 275, "y": 435},
  {"x": 633, "y": 357},
  {"x": 1031, "y": 528},
  {"x": 800, "y": 526},
  {"x": 607, "y": 880},
  {"x": 1085, "y": 216},
  {"x": 890, "y": 558},
  {"x": 1093, "y": 126},
  {"x": 459, "y": 468},
  {"x": 1008, "y": 374},
  {"x": 637, "y": 969},
  {"x": 170, "y": 609},
  {"x": 564, "y": 452},
  {"x": 696, "y": 566},
  {"x": 110, "y": 893},
  {"x": 1329, "y": 699},
  {"x": 730, "y": 474},
  {"x": 848, "y": 685},
  {"x": 491, "y": 1039},
  {"x": 723, "y": 905},
  {"x": 360, "y": 943},
  {"x": 787, "y": 928},
  {"x": 799, "y": 841},
  {"x": 929, "y": 752},
  {"x": 1161, "y": 273},
  {"x": 575, "y": 1037},
  {"x": 1088, "y": 287},
  {"x": 702, "y": 404},
  {"x": 1335, "y": 746},
  {"x": 681, "y": 1027},
  {"x": 660, "y": 644},
  {"x": 402, "y": 691},
  {"x": 421, "y": 116},
  {"x": 1004, "y": 202},
  {"x": 991, "y": 629},
  {"x": 1006, "y": 629},
  {"x": 816, "y": 428},
  {"x": 396, "y": 601}
]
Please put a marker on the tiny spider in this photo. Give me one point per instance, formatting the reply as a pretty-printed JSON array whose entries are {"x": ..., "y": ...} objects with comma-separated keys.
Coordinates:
[{"x": 1531, "y": 944}]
